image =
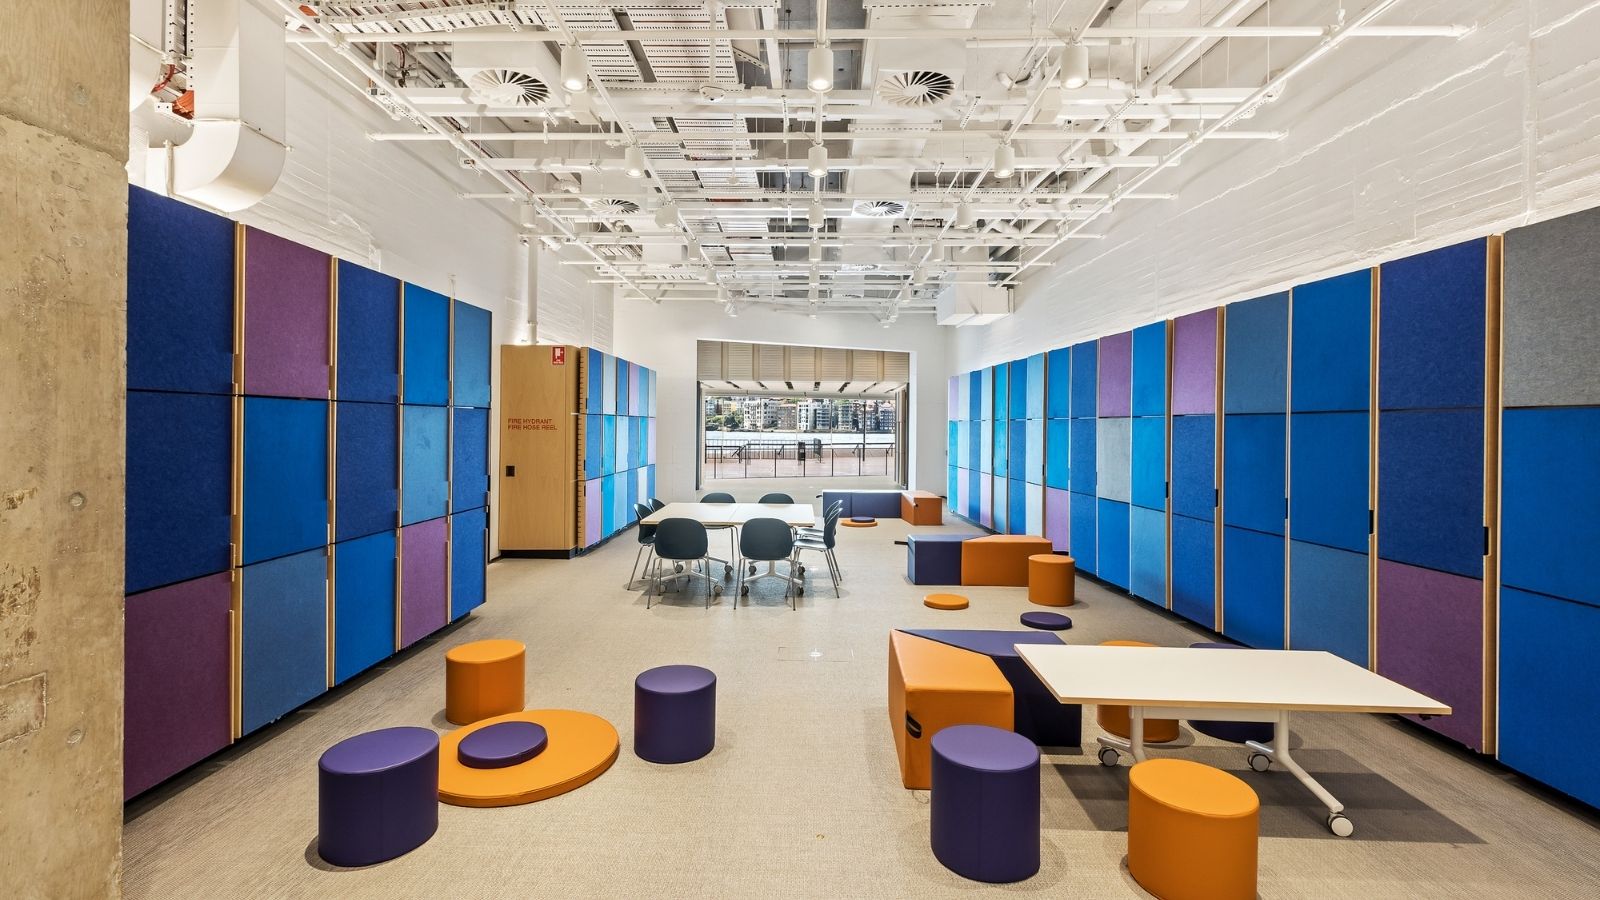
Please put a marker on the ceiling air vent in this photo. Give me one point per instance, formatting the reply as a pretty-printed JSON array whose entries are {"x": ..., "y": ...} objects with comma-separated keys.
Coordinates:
[
  {"x": 916, "y": 89},
  {"x": 880, "y": 209},
  {"x": 507, "y": 87},
  {"x": 614, "y": 207}
]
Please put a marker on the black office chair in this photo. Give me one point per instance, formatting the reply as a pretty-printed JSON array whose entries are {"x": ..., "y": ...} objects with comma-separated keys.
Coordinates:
[
  {"x": 684, "y": 541},
  {"x": 647, "y": 539},
  {"x": 733, "y": 549},
  {"x": 775, "y": 497},
  {"x": 769, "y": 541},
  {"x": 718, "y": 497},
  {"x": 823, "y": 544},
  {"x": 656, "y": 505}
]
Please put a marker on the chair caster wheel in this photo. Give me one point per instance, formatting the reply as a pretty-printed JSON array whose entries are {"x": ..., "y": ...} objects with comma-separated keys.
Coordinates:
[
  {"x": 799, "y": 591},
  {"x": 727, "y": 571},
  {"x": 716, "y": 590},
  {"x": 677, "y": 567},
  {"x": 1109, "y": 757},
  {"x": 744, "y": 590},
  {"x": 1260, "y": 762},
  {"x": 1340, "y": 825}
]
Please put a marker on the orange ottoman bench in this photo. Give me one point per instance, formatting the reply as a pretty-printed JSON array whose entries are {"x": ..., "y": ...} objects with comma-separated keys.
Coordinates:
[
  {"x": 1118, "y": 720},
  {"x": 921, "y": 508},
  {"x": 934, "y": 686},
  {"x": 1192, "y": 831},
  {"x": 483, "y": 679},
  {"x": 1050, "y": 579},
  {"x": 1000, "y": 559}
]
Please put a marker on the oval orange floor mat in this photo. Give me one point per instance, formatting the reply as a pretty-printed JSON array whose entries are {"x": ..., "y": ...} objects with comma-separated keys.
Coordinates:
[{"x": 581, "y": 747}]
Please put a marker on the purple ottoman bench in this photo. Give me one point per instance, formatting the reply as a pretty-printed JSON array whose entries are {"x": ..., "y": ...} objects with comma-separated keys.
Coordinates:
[
  {"x": 1236, "y": 732},
  {"x": 935, "y": 558},
  {"x": 377, "y": 795},
  {"x": 674, "y": 714},
  {"x": 984, "y": 808}
]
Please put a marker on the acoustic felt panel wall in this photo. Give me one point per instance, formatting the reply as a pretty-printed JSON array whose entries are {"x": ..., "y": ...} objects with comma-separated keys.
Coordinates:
[
  {"x": 1194, "y": 363},
  {"x": 1149, "y": 392},
  {"x": 1252, "y": 587},
  {"x": 369, "y": 335},
  {"x": 608, "y": 444},
  {"x": 1332, "y": 339},
  {"x": 1058, "y": 518},
  {"x": 1058, "y": 384},
  {"x": 1328, "y": 600},
  {"x": 999, "y": 460},
  {"x": 1194, "y": 466},
  {"x": 608, "y": 505},
  {"x": 1431, "y": 328},
  {"x": 178, "y": 502},
  {"x": 624, "y": 375},
  {"x": 473, "y": 329},
  {"x": 469, "y": 537},
  {"x": 1430, "y": 638},
  {"x": 1033, "y": 455},
  {"x": 180, "y": 315},
  {"x": 1430, "y": 489},
  {"x": 1016, "y": 506},
  {"x": 593, "y": 446},
  {"x": 1083, "y": 455},
  {"x": 177, "y": 709},
  {"x": 1082, "y": 535},
  {"x": 423, "y": 579},
  {"x": 608, "y": 384},
  {"x": 1111, "y": 555},
  {"x": 1057, "y": 451},
  {"x": 1085, "y": 379},
  {"x": 975, "y": 393},
  {"x": 1017, "y": 407},
  {"x": 1147, "y": 552},
  {"x": 1149, "y": 455},
  {"x": 285, "y": 476},
  {"x": 426, "y": 371},
  {"x": 1035, "y": 508},
  {"x": 1114, "y": 459},
  {"x": 363, "y": 603},
  {"x": 1548, "y": 678},
  {"x": 469, "y": 459},
  {"x": 1552, "y": 322},
  {"x": 285, "y": 317},
  {"x": 1034, "y": 408},
  {"x": 283, "y": 628},
  {"x": 1116, "y": 374},
  {"x": 424, "y": 459},
  {"x": 986, "y": 446},
  {"x": 1252, "y": 472},
  {"x": 974, "y": 433},
  {"x": 620, "y": 447},
  {"x": 1550, "y": 501},
  {"x": 1256, "y": 356},
  {"x": 593, "y": 512},
  {"x": 986, "y": 394},
  {"x": 1328, "y": 499},
  {"x": 952, "y": 489},
  {"x": 998, "y": 490},
  {"x": 1016, "y": 448},
  {"x": 595, "y": 381},
  {"x": 366, "y": 469},
  {"x": 980, "y": 498},
  {"x": 1194, "y": 552}
]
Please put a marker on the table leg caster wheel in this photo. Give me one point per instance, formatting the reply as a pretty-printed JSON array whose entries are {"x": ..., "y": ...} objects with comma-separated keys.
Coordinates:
[
  {"x": 716, "y": 590},
  {"x": 1341, "y": 825},
  {"x": 1260, "y": 762},
  {"x": 799, "y": 590},
  {"x": 727, "y": 571},
  {"x": 677, "y": 567},
  {"x": 752, "y": 571},
  {"x": 1109, "y": 757},
  {"x": 744, "y": 590}
]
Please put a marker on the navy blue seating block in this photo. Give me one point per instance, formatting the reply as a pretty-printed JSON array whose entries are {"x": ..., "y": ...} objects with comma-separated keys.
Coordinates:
[
  {"x": 935, "y": 558},
  {"x": 1037, "y": 715}
]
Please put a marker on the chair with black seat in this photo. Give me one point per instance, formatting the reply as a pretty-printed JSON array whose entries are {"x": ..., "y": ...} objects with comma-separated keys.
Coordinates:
[
  {"x": 683, "y": 541},
  {"x": 733, "y": 556},
  {"x": 776, "y": 497},
  {"x": 656, "y": 505},
  {"x": 770, "y": 541},
  {"x": 647, "y": 538},
  {"x": 823, "y": 544},
  {"x": 836, "y": 508}
]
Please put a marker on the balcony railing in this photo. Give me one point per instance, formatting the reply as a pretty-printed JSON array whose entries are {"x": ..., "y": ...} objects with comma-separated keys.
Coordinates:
[{"x": 828, "y": 456}]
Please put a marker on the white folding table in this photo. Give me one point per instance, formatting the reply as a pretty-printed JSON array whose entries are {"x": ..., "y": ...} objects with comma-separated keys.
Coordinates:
[
  {"x": 1230, "y": 686},
  {"x": 734, "y": 515}
]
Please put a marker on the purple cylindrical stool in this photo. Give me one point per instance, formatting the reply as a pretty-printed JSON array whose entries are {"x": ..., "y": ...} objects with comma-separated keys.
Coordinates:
[
  {"x": 674, "y": 714},
  {"x": 502, "y": 744},
  {"x": 1236, "y": 732},
  {"x": 984, "y": 816},
  {"x": 377, "y": 795}
]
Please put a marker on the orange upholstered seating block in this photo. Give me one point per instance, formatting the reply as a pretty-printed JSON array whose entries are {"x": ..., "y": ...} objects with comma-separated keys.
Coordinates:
[
  {"x": 1050, "y": 579},
  {"x": 1118, "y": 721},
  {"x": 1000, "y": 558},
  {"x": 921, "y": 508},
  {"x": 934, "y": 686},
  {"x": 483, "y": 679},
  {"x": 1192, "y": 831}
]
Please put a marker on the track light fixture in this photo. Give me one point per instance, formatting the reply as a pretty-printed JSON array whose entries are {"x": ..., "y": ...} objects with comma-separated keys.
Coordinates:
[
  {"x": 817, "y": 161},
  {"x": 633, "y": 162},
  {"x": 819, "y": 69},
  {"x": 816, "y": 250},
  {"x": 814, "y": 215},
  {"x": 1005, "y": 161},
  {"x": 1075, "y": 66},
  {"x": 573, "y": 75},
  {"x": 667, "y": 215},
  {"x": 965, "y": 217}
]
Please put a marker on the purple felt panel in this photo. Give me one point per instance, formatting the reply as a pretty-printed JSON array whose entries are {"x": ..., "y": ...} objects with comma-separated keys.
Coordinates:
[
  {"x": 593, "y": 512},
  {"x": 1194, "y": 363},
  {"x": 422, "y": 579},
  {"x": 176, "y": 704},
  {"x": 1057, "y": 518},
  {"x": 1116, "y": 375},
  {"x": 1430, "y": 639},
  {"x": 285, "y": 318}
]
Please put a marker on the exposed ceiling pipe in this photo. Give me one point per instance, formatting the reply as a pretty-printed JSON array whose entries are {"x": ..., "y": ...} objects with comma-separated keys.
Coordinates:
[{"x": 1035, "y": 133}]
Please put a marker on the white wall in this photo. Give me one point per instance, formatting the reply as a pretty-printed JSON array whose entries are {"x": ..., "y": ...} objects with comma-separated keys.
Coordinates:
[
  {"x": 1393, "y": 147},
  {"x": 663, "y": 337}
]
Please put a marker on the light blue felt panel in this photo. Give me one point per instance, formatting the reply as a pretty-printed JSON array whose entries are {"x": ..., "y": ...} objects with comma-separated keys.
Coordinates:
[
  {"x": 1000, "y": 461},
  {"x": 1033, "y": 470},
  {"x": 974, "y": 436},
  {"x": 1082, "y": 532},
  {"x": 1256, "y": 355},
  {"x": 178, "y": 482},
  {"x": 469, "y": 535},
  {"x": 1328, "y": 456},
  {"x": 425, "y": 453},
  {"x": 1017, "y": 408},
  {"x": 1016, "y": 507},
  {"x": 1057, "y": 450},
  {"x": 1194, "y": 559},
  {"x": 367, "y": 469},
  {"x": 1150, "y": 462},
  {"x": 608, "y": 506},
  {"x": 1431, "y": 328},
  {"x": 285, "y": 476},
  {"x": 180, "y": 315},
  {"x": 426, "y": 375},
  {"x": 952, "y": 489},
  {"x": 1548, "y": 675},
  {"x": 1252, "y": 587},
  {"x": 986, "y": 394},
  {"x": 1252, "y": 472},
  {"x": 1034, "y": 408},
  {"x": 608, "y": 385},
  {"x": 608, "y": 444},
  {"x": 986, "y": 445},
  {"x": 1000, "y": 509},
  {"x": 1111, "y": 557},
  {"x": 469, "y": 459},
  {"x": 1550, "y": 501},
  {"x": 594, "y": 441},
  {"x": 1332, "y": 340},
  {"x": 1328, "y": 601},
  {"x": 1082, "y": 458},
  {"x": 595, "y": 381},
  {"x": 363, "y": 603},
  {"x": 473, "y": 345},
  {"x": 369, "y": 335},
  {"x": 1430, "y": 488},
  {"x": 1114, "y": 459},
  {"x": 1150, "y": 370},
  {"x": 1147, "y": 552},
  {"x": 1085, "y": 379},
  {"x": 1017, "y": 447},
  {"x": 974, "y": 497},
  {"x": 1058, "y": 384},
  {"x": 283, "y": 629},
  {"x": 1194, "y": 466},
  {"x": 975, "y": 393},
  {"x": 624, "y": 384}
]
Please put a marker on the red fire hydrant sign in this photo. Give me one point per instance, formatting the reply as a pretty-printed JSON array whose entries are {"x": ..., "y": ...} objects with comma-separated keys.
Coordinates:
[{"x": 558, "y": 356}]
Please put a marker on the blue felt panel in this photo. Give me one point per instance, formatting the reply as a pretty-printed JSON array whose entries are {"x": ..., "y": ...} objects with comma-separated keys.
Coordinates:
[
  {"x": 1548, "y": 677},
  {"x": 1328, "y": 601},
  {"x": 595, "y": 383},
  {"x": 1194, "y": 557},
  {"x": 1034, "y": 524},
  {"x": 178, "y": 481},
  {"x": 1550, "y": 501},
  {"x": 624, "y": 386},
  {"x": 1328, "y": 456},
  {"x": 285, "y": 476},
  {"x": 1147, "y": 552},
  {"x": 1034, "y": 408},
  {"x": 1430, "y": 489},
  {"x": 366, "y": 469},
  {"x": 608, "y": 506},
  {"x": 1332, "y": 339},
  {"x": 469, "y": 459},
  {"x": 1033, "y": 470},
  {"x": 363, "y": 603},
  {"x": 973, "y": 436},
  {"x": 986, "y": 394},
  {"x": 369, "y": 335},
  {"x": 1252, "y": 472},
  {"x": 1111, "y": 556},
  {"x": 986, "y": 446},
  {"x": 1150, "y": 462},
  {"x": 1256, "y": 355},
  {"x": 1000, "y": 461},
  {"x": 1082, "y": 459},
  {"x": 594, "y": 441},
  {"x": 426, "y": 375},
  {"x": 1016, "y": 507},
  {"x": 975, "y": 482},
  {"x": 608, "y": 385},
  {"x": 424, "y": 457},
  {"x": 999, "y": 508},
  {"x": 1194, "y": 466},
  {"x": 283, "y": 629},
  {"x": 1085, "y": 379},
  {"x": 952, "y": 488},
  {"x": 1017, "y": 408},
  {"x": 1431, "y": 328},
  {"x": 474, "y": 343},
  {"x": 1252, "y": 587},
  {"x": 974, "y": 395},
  {"x": 1150, "y": 370},
  {"x": 469, "y": 537},
  {"x": 608, "y": 444},
  {"x": 180, "y": 309},
  {"x": 1082, "y": 532},
  {"x": 1057, "y": 450},
  {"x": 1017, "y": 448},
  {"x": 1058, "y": 383}
]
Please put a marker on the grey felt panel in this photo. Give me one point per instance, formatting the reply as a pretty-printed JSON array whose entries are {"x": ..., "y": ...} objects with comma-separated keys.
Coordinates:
[
  {"x": 1552, "y": 312},
  {"x": 1114, "y": 459}
]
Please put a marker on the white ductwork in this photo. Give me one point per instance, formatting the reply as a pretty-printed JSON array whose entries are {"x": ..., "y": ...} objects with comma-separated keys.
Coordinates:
[
  {"x": 510, "y": 74},
  {"x": 146, "y": 22},
  {"x": 964, "y": 303},
  {"x": 237, "y": 73}
]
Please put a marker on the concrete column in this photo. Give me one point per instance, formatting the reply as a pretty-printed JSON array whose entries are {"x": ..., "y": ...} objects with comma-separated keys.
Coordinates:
[{"x": 63, "y": 311}]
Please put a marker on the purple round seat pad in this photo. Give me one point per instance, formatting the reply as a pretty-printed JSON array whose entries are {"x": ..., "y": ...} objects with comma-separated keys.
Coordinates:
[
  {"x": 678, "y": 679},
  {"x": 985, "y": 748},
  {"x": 1047, "y": 620},
  {"x": 502, "y": 744},
  {"x": 863, "y": 519},
  {"x": 1212, "y": 645},
  {"x": 378, "y": 751}
]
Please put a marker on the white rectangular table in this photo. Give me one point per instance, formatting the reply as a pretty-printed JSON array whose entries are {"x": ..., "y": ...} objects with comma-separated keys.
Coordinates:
[
  {"x": 735, "y": 515},
  {"x": 1224, "y": 685}
]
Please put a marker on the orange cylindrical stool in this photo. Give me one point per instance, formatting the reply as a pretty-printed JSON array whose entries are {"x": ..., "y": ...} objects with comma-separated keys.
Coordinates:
[
  {"x": 483, "y": 679},
  {"x": 1050, "y": 579},
  {"x": 1191, "y": 831},
  {"x": 1116, "y": 719}
]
